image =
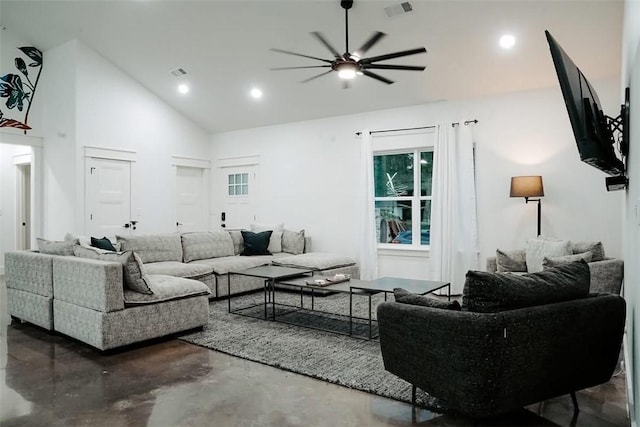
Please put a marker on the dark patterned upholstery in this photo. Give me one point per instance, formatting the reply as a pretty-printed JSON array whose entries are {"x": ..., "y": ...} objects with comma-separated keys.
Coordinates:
[
  {"x": 482, "y": 364},
  {"x": 490, "y": 292}
]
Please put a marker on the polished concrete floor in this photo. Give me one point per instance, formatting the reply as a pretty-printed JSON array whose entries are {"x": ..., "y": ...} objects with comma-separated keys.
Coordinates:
[{"x": 49, "y": 380}]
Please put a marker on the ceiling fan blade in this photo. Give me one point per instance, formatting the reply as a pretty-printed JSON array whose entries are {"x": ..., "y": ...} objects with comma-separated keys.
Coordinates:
[
  {"x": 367, "y": 45},
  {"x": 315, "y": 77},
  {"x": 299, "y": 54},
  {"x": 393, "y": 55},
  {"x": 392, "y": 67},
  {"x": 326, "y": 43},
  {"x": 298, "y": 68},
  {"x": 377, "y": 77}
]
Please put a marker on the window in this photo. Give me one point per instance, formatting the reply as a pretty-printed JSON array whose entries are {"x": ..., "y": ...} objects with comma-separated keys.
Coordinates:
[
  {"x": 239, "y": 184},
  {"x": 402, "y": 194}
]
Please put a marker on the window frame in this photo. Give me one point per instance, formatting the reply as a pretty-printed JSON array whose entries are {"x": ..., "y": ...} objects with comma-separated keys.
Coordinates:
[{"x": 415, "y": 200}]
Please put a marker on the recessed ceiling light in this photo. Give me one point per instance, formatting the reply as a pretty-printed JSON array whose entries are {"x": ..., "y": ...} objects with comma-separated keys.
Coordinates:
[
  {"x": 183, "y": 88},
  {"x": 256, "y": 93},
  {"x": 507, "y": 41}
]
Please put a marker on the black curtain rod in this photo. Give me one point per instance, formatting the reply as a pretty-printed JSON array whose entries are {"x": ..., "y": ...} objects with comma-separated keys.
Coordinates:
[{"x": 466, "y": 123}]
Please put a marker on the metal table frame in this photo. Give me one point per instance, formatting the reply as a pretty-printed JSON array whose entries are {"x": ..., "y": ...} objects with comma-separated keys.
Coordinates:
[
  {"x": 384, "y": 285},
  {"x": 270, "y": 273}
]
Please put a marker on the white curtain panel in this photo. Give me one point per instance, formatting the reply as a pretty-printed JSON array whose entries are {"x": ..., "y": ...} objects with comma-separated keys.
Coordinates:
[
  {"x": 454, "y": 229},
  {"x": 368, "y": 244}
]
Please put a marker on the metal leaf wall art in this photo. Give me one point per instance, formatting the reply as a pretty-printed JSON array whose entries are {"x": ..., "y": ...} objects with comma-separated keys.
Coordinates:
[{"x": 20, "y": 91}]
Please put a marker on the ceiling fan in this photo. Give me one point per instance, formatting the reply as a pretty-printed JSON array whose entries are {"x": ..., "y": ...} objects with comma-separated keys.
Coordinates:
[{"x": 349, "y": 64}]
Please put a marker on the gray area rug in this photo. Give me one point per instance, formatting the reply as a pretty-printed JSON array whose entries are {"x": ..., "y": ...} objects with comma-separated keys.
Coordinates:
[{"x": 339, "y": 359}]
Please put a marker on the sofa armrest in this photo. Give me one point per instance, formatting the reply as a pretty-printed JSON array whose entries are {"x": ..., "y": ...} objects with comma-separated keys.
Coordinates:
[
  {"x": 29, "y": 272},
  {"x": 88, "y": 283},
  {"x": 607, "y": 276},
  {"x": 492, "y": 264}
]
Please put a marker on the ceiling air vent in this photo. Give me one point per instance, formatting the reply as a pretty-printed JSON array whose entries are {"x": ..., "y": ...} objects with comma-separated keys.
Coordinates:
[
  {"x": 398, "y": 9},
  {"x": 178, "y": 72}
]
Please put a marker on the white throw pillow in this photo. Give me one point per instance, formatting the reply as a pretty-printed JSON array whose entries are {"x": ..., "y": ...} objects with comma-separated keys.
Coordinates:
[
  {"x": 275, "y": 242},
  {"x": 538, "y": 249}
]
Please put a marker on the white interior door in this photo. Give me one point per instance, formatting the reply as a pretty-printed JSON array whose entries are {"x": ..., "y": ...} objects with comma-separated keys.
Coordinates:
[
  {"x": 108, "y": 198},
  {"x": 239, "y": 186},
  {"x": 190, "y": 199}
]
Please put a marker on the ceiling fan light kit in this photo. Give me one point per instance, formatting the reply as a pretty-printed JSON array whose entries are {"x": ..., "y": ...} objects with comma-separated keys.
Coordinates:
[{"x": 350, "y": 64}]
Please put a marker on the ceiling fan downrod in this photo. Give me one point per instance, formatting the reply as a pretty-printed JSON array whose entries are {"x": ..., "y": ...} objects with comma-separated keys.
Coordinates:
[{"x": 346, "y": 5}]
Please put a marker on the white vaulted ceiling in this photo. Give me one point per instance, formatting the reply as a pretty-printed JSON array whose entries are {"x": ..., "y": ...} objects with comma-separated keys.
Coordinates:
[{"x": 224, "y": 47}]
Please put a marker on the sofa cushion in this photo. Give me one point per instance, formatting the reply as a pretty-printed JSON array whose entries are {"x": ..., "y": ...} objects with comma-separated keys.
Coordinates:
[
  {"x": 203, "y": 245},
  {"x": 256, "y": 243},
  {"x": 275, "y": 241},
  {"x": 405, "y": 297},
  {"x": 134, "y": 275},
  {"x": 166, "y": 288},
  {"x": 238, "y": 242},
  {"x": 53, "y": 247},
  {"x": 154, "y": 247},
  {"x": 596, "y": 249},
  {"x": 492, "y": 292},
  {"x": 539, "y": 248},
  {"x": 293, "y": 242},
  {"x": 511, "y": 261},
  {"x": 315, "y": 261},
  {"x": 553, "y": 262},
  {"x": 178, "y": 269},
  {"x": 223, "y": 265}
]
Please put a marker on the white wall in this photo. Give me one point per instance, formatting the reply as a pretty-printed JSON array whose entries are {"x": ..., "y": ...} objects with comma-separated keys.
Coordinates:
[
  {"x": 92, "y": 103},
  {"x": 309, "y": 173},
  {"x": 631, "y": 77},
  {"x": 58, "y": 83}
]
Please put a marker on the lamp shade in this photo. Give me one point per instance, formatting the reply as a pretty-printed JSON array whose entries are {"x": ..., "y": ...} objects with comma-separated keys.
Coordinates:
[{"x": 526, "y": 186}]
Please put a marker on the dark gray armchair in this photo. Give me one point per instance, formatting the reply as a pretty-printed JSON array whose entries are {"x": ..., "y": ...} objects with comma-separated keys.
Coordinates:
[{"x": 483, "y": 364}]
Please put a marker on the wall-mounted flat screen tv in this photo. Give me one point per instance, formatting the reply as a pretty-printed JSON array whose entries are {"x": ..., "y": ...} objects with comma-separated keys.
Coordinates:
[{"x": 593, "y": 134}]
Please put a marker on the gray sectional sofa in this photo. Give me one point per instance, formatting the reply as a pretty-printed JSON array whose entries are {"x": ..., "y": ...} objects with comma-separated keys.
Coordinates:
[
  {"x": 210, "y": 256},
  {"x": 156, "y": 285}
]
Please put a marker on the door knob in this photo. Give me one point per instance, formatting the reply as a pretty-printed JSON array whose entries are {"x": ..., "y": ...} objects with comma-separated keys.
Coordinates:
[{"x": 178, "y": 224}]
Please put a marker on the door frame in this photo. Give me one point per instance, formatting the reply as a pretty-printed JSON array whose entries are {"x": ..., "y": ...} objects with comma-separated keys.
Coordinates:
[
  {"x": 224, "y": 164},
  {"x": 205, "y": 166},
  {"x": 20, "y": 162},
  {"x": 108, "y": 154},
  {"x": 37, "y": 185}
]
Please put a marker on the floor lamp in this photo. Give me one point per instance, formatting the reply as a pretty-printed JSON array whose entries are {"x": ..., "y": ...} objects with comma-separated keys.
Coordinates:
[{"x": 527, "y": 187}]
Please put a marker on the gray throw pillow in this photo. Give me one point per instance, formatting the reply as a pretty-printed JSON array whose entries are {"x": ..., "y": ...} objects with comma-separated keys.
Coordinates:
[
  {"x": 52, "y": 247},
  {"x": 596, "y": 249},
  {"x": 492, "y": 292},
  {"x": 554, "y": 262},
  {"x": 293, "y": 242},
  {"x": 511, "y": 261},
  {"x": 405, "y": 297},
  {"x": 133, "y": 272}
]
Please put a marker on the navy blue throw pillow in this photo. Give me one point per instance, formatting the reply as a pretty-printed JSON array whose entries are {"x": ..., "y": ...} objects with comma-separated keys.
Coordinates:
[
  {"x": 256, "y": 243},
  {"x": 103, "y": 243}
]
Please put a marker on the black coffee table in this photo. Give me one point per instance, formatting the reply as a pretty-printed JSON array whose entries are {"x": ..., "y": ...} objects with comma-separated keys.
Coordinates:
[
  {"x": 270, "y": 274},
  {"x": 388, "y": 284},
  {"x": 367, "y": 288}
]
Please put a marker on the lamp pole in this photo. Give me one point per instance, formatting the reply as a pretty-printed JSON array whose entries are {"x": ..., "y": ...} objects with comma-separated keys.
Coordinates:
[{"x": 526, "y": 200}]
